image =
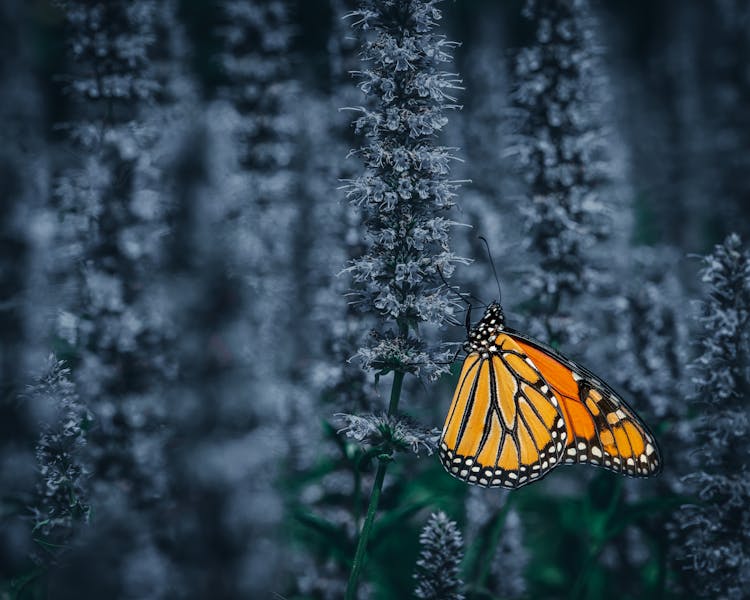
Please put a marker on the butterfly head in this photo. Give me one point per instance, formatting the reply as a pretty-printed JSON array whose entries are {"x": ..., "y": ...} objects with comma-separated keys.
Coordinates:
[{"x": 482, "y": 335}]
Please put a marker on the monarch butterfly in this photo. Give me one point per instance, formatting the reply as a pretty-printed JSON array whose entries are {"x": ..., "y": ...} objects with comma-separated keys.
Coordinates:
[{"x": 521, "y": 408}]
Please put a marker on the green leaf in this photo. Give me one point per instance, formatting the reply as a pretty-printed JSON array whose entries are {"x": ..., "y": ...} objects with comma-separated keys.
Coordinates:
[
  {"x": 395, "y": 519},
  {"x": 14, "y": 589},
  {"x": 331, "y": 533}
]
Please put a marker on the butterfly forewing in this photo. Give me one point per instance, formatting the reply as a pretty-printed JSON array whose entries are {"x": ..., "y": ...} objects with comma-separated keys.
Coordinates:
[{"x": 505, "y": 426}]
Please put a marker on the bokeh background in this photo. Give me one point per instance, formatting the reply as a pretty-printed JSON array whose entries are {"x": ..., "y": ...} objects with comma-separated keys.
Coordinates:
[{"x": 177, "y": 338}]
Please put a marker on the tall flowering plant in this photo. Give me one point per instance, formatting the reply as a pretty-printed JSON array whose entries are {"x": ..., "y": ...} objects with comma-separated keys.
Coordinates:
[
  {"x": 404, "y": 191},
  {"x": 403, "y": 194},
  {"x": 561, "y": 150},
  {"x": 714, "y": 534}
]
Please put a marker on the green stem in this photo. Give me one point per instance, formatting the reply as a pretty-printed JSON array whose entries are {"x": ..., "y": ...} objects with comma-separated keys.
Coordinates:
[
  {"x": 580, "y": 583},
  {"x": 377, "y": 486},
  {"x": 357, "y": 493},
  {"x": 398, "y": 380},
  {"x": 596, "y": 547},
  {"x": 359, "y": 556}
]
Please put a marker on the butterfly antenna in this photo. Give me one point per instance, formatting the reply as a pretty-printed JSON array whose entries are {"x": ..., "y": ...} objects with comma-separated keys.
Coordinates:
[
  {"x": 461, "y": 295},
  {"x": 494, "y": 271},
  {"x": 453, "y": 288}
]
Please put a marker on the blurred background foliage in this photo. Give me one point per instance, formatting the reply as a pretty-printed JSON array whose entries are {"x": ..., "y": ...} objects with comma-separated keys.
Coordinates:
[{"x": 176, "y": 340}]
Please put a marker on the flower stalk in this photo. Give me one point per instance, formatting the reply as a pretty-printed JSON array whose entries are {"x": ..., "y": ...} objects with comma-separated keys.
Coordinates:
[
  {"x": 377, "y": 487},
  {"x": 401, "y": 195}
]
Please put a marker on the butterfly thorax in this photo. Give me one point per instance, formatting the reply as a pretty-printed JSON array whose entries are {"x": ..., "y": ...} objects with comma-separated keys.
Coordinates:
[{"x": 482, "y": 336}]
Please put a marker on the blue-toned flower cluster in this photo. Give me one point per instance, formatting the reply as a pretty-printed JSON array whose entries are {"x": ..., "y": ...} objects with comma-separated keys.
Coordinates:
[
  {"x": 62, "y": 493},
  {"x": 389, "y": 433},
  {"x": 259, "y": 115},
  {"x": 111, "y": 241},
  {"x": 560, "y": 148},
  {"x": 437, "y": 572},
  {"x": 652, "y": 343},
  {"x": 336, "y": 236},
  {"x": 714, "y": 530},
  {"x": 112, "y": 324},
  {"x": 111, "y": 64},
  {"x": 652, "y": 350},
  {"x": 255, "y": 37},
  {"x": 725, "y": 132},
  {"x": 404, "y": 191}
]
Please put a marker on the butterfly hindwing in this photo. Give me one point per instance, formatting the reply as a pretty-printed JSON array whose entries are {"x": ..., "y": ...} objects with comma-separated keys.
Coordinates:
[{"x": 505, "y": 427}]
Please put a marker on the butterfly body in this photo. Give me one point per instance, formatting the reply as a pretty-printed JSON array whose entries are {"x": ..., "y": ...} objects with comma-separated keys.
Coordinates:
[{"x": 521, "y": 408}]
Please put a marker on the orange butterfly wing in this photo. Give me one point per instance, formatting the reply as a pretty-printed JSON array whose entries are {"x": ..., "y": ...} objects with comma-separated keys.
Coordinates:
[
  {"x": 602, "y": 429},
  {"x": 505, "y": 427}
]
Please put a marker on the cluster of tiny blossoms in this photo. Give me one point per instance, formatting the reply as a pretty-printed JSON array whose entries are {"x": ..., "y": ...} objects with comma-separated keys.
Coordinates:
[
  {"x": 389, "y": 432},
  {"x": 405, "y": 187},
  {"x": 260, "y": 95},
  {"x": 714, "y": 531},
  {"x": 561, "y": 152},
  {"x": 62, "y": 491},
  {"x": 256, "y": 38},
  {"x": 438, "y": 568},
  {"x": 115, "y": 36}
]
